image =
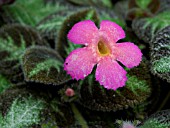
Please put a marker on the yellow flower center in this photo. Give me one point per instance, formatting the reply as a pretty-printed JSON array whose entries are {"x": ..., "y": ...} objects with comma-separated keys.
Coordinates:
[{"x": 103, "y": 48}]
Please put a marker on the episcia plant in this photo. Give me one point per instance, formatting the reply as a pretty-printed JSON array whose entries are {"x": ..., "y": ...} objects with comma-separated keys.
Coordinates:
[{"x": 101, "y": 49}]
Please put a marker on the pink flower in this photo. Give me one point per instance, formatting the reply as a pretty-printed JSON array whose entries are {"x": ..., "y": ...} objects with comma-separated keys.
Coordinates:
[
  {"x": 69, "y": 92},
  {"x": 101, "y": 49}
]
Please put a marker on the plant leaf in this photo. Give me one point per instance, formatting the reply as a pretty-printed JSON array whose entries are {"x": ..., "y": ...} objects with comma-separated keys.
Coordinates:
[
  {"x": 160, "y": 52},
  {"x": 4, "y": 84},
  {"x": 23, "y": 113},
  {"x": 14, "y": 39},
  {"x": 23, "y": 11},
  {"x": 160, "y": 119},
  {"x": 146, "y": 28},
  {"x": 143, "y": 3},
  {"x": 43, "y": 65}
]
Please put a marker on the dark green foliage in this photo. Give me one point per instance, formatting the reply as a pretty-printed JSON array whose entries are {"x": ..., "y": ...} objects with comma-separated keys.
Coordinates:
[
  {"x": 81, "y": 121},
  {"x": 121, "y": 9},
  {"x": 23, "y": 11},
  {"x": 141, "y": 8},
  {"x": 143, "y": 4},
  {"x": 164, "y": 5},
  {"x": 146, "y": 28},
  {"x": 97, "y": 3},
  {"x": 43, "y": 65},
  {"x": 55, "y": 113},
  {"x": 50, "y": 25},
  {"x": 35, "y": 69},
  {"x": 22, "y": 113},
  {"x": 136, "y": 91},
  {"x": 4, "y": 84},
  {"x": 13, "y": 41},
  {"x": 4, "y": 2},
  {"x": 160, "y": 52},
  {"x": 159, "y": 119}
]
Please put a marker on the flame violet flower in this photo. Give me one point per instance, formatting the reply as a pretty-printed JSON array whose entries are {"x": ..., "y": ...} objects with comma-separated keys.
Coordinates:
[{"x": 101, "y": 49}]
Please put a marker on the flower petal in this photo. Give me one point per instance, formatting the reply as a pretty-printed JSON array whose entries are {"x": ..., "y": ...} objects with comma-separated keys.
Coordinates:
[
  {"x": 80, "y": 63},
  {"x": 128, "y": 54},
  {"x": 83, "y": 32},
  {"x": 110, "y": 74},
  {"x": 111, "y": 31}
]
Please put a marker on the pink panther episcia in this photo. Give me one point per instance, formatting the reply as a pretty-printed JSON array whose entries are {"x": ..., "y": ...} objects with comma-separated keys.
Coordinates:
[{"x": 101, "y": 49}]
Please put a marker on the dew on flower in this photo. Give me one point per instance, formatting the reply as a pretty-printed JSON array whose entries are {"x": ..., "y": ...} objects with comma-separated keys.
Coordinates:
[{"x": 102, "y": 50}]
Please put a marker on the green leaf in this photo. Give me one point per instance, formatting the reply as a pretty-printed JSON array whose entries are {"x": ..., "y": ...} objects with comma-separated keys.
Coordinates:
[
  {"x": 43, "y": 65},
  {"x": 98, "y": 3},
  {"x": 15, "y": 52},
  {"x": 23, "y": 113},
  {"x": 143, "y": 3},
  {"x": 134, "y": 84},
  {"x": 14, "y": 39},
  {"x": 154, "y": 123},
  {"x": 4, "y": 84},
  {"x": 106, "y": 16},
  {"x": 160, "y": 52},
  {"x": 162, "y": 65},
  {"x": 31, "y": 12},
  {"x": 158, "y": 22},
  {"x": 146, "y": 28}
]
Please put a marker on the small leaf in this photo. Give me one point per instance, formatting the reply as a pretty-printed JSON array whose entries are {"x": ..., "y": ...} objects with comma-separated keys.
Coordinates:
[
  {"x": 43, "y": 65},
  {"x": 143, "y": 3}
]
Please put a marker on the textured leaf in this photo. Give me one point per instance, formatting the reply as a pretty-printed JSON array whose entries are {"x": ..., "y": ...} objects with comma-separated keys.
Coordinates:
[
  {"x": 137, "y": 90},
  {"x": 23, "y": 113},
  {"x": 160, "y": 119},
  {"x": 43, "y": 65},
  {"x": 146, "y": 28},
  {"x": 50, "y": 25},
  {"x": 23, "y": 11},
  {"x": 13, "y": 41},
  {"x": 160, "y": 54}
]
